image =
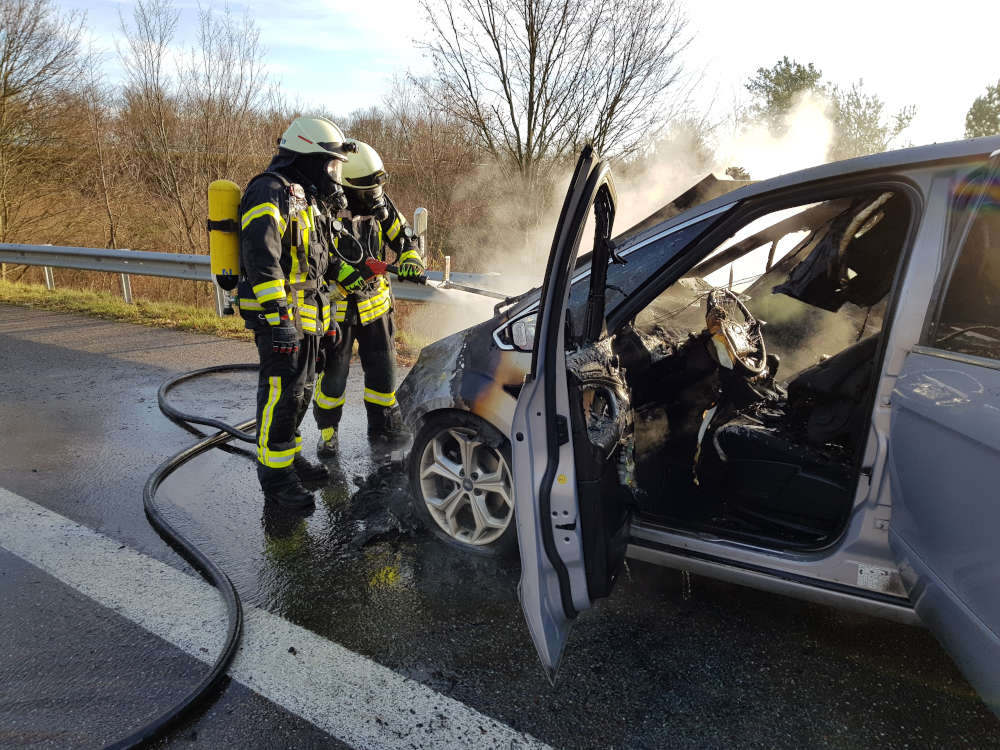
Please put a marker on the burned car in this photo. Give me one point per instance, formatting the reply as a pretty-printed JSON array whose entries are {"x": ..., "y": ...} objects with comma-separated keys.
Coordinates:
[{"x": 794, "y": 385}]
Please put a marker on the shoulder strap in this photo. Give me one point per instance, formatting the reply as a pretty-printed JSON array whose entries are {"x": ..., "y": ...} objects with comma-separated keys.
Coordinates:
[{"x": 279, "y": 177}]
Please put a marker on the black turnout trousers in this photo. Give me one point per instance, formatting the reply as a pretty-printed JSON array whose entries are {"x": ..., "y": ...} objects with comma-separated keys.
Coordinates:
[
  {"x": 377, "y": 350},
  {"x": 284, "y": 390}
]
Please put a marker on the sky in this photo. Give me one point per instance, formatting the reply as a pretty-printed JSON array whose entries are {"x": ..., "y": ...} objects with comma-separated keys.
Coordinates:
[{"x": 341, "y": 56}]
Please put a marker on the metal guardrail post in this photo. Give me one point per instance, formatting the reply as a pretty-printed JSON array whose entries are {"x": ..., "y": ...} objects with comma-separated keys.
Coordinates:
[
  {"x": 220, "y": 300},
  {"x": 447, "y": 269},
  {"x": 126, "y": 288},
  {"x": 50, "y": 278}
]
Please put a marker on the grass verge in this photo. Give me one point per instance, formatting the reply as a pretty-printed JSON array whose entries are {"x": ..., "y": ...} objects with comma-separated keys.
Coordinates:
[
  {"x": 143, "y": 312},
  {"x": 160, "y": 314}
]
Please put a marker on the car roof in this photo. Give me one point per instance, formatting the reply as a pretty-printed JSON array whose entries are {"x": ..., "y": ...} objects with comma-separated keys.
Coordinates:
[{"x": 887, "y": 160}]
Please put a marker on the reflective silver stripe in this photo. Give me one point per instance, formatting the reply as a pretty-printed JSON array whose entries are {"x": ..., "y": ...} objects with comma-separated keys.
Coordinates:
[
  {"x": 380, "y": 399},
  {"x": 328, "y": 402},
  {"x": 393, "y": 232},
  {"x": 268, "y": 291},
  {"x": 381, "y": 309},
  {"x": 266, "y": 456},
  {"x": 264, "y": 209}
]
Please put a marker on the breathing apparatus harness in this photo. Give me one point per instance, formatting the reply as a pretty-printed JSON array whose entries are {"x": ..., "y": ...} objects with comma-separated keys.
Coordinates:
[{"x": 364, "y": 261}]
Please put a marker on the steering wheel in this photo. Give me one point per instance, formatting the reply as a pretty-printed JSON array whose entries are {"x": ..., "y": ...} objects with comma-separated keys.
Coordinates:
[{"x": 737, "y": 336}]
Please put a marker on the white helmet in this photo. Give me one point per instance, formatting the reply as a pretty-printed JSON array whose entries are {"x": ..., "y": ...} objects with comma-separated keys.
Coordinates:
[
  {"x": 313, "y": 135},
  {"x": 364, "y": 169}
]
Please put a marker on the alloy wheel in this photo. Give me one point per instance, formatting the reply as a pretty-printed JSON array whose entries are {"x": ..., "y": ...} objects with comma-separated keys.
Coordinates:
[{"x": 466, "y": 486}]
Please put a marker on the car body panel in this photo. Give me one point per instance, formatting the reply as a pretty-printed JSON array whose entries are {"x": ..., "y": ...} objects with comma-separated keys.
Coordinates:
[
  {"x": 468, "y": 372},
  {"x": 945, "y": 462},
  {"x": 944, "y": 451}
]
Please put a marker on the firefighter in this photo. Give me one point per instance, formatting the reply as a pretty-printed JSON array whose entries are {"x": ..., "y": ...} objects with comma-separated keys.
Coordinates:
[
  {"x": 283, "y": 258},
  {"x": 363, "y": 301}
]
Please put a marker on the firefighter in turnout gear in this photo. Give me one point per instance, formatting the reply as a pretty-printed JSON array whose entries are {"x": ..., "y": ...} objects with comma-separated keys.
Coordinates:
[
  {"x": 283, "y": 259},
  {"x": 363, "y": 301}
]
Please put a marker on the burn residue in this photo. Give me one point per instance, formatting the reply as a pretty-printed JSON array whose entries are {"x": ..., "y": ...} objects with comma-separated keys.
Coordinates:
[{"x": 607, "y": 409}]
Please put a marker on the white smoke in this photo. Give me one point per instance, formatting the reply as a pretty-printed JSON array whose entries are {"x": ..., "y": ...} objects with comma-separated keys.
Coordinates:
[
  {"x": 806, "y": 136},
  {"x": 644, "y": 184}
]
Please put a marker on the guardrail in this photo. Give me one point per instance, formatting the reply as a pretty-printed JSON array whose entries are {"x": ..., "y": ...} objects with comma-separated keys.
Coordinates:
[{"x": 192, "y": 268}]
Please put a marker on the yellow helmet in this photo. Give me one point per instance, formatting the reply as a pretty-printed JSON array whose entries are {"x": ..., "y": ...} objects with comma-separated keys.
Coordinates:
[
  {"x": 364, "y": 169},
  {"x": 313, "y": 135}
]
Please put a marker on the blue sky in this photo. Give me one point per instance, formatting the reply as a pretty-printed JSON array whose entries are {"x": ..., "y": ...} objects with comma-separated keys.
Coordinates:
[{"x": 343, "y": 55}]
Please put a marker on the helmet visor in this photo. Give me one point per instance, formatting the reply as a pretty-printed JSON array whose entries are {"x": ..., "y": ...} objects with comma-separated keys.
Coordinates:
[
  {"x": 373, "y": 180},
  {"x": 333, "y": 171}
]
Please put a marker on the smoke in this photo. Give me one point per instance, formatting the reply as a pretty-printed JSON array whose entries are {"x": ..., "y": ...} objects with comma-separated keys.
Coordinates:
[
  {"x": 806, "y": 136},
  {"x": 510, "y": 233}
]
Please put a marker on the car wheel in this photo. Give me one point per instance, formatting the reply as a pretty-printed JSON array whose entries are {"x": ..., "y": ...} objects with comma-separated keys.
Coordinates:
[{"x": 461, "y": 479}]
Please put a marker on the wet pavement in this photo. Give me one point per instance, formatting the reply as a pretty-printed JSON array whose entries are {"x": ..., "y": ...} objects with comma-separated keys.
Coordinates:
[{"x": 661, "y": 663}]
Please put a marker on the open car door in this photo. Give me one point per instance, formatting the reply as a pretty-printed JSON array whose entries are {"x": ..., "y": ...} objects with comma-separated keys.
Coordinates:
[
  {"x": 944, "y": 445},
  {"x": 571, "y": 433}
]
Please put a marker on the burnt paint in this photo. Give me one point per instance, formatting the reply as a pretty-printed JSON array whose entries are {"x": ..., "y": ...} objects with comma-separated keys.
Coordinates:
[{"x": 465, "y": 371}]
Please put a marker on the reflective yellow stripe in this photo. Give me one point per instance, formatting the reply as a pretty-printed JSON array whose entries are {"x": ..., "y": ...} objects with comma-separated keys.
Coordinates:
[
  {"x": 277, "y": 459},
  {"x": 381, "y": 399},
  {"x": 268, "y": 291},
  {"x": 340, "y": 312},
  {"x": 410, "y": 254},
  {"x": 378, "y": 312},
  {"x": 266, "y": 456},
  {"x": 295, "y": 275},
  {"x": 264, "y": 209},
  {"x": 326, "y": 318},
  {"x": 247, "y": 303},
  {"x": 393, "y": 230},
  {"x": 328, "y": 402},
  {"x": 375, "y": 306},
  {"x": 272, "y": 318}
]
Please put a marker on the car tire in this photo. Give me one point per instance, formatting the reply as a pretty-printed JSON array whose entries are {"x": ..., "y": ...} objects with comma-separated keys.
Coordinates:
[{"x": 462, "y": 483}]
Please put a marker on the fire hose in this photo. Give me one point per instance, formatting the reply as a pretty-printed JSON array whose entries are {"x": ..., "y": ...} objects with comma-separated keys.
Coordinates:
[
  {"x": 199, "y": 560},
  {"x": 183, "y": 546}
]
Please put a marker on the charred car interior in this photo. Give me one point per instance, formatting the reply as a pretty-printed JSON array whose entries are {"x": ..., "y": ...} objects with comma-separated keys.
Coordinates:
[{"x": 738, "y": 401}]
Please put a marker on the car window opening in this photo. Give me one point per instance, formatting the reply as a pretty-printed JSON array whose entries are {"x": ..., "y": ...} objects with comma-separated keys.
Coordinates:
[{"x": 750, "y": 378}]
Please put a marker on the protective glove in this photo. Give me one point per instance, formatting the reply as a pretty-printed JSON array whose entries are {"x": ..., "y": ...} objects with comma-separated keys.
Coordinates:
[
  {"x": 411, "y": 265},
  {"x": 349, "y": 277},
  {"x": 284, "y": 336}
]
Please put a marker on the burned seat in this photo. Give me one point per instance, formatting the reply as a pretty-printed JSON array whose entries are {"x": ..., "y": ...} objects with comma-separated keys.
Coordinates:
[{"x": 799, "y": 459}]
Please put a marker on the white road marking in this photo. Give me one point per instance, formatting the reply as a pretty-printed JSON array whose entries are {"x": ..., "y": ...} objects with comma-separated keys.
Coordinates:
[{"x": 347, "y": 695}]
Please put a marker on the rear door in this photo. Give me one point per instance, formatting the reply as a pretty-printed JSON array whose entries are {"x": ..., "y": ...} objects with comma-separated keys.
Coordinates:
[
  {"x": 944, "y": 444},
  {"x": 572, "y": 525}
]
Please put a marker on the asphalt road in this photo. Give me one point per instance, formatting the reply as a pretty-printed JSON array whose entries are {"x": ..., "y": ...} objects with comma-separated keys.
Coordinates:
[{"x": 362, "y": 629}]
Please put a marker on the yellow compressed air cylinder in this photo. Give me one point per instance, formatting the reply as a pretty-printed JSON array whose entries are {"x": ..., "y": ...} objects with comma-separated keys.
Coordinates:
[{"x": 223, "y": 232}]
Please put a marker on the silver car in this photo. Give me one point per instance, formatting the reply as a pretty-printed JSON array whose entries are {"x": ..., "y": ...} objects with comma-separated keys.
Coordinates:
[{"x": 794, "y": 385}]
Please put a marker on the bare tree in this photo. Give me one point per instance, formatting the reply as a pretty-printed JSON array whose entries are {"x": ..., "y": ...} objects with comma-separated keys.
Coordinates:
[
  {"x": 534, "y": 79},
  {"x": 204, "y": 119},
  {"x": 637, "y": 66},
  {"x": 39, "y": 61}
]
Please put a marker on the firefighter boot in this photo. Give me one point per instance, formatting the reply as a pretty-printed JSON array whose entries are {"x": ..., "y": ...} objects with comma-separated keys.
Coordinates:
[
  {"x": 309, "y": 472},
  {"x": 327, "y": 446},
  {"x": 283, "y": 487},
  {"x": 385, "y": 424}
]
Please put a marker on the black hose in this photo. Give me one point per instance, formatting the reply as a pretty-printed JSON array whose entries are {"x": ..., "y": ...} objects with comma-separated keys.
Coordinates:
[
  {"x": 185, "y": 420},
  {"x": 187, "y": 550}
]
